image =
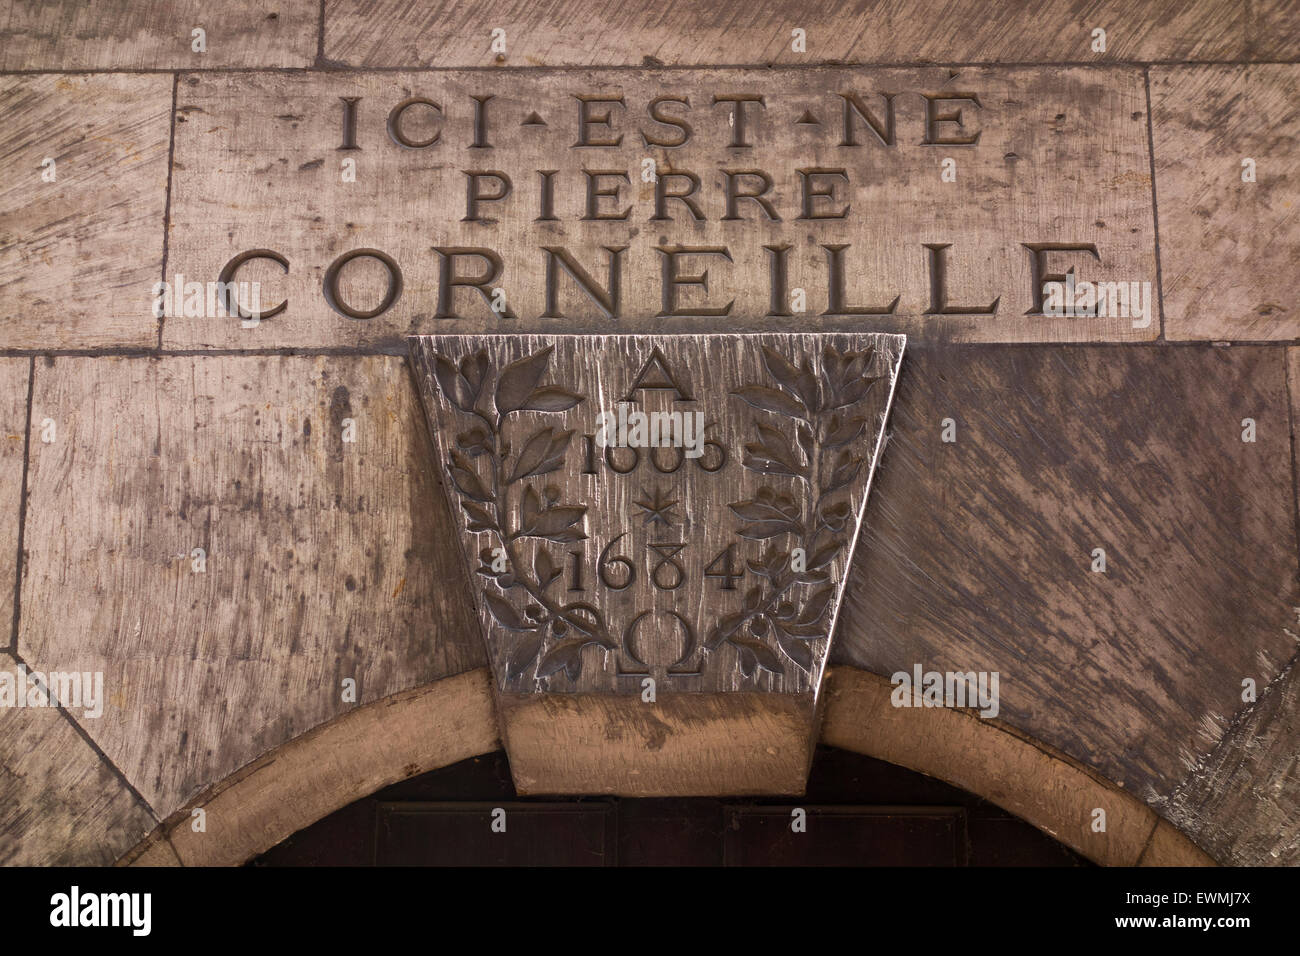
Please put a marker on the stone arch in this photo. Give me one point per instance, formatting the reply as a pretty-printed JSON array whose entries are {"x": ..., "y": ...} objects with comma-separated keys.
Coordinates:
[
  {"x": 326, "y": 768},
  {"x": 1005, "y": 766},
  {"x": 454, "y": 718}
]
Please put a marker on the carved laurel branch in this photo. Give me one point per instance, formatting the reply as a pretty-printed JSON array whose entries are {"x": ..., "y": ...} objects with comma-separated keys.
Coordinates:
[
  {"x": 487, "y": 502},
  {"x": 819, "y": 404}
]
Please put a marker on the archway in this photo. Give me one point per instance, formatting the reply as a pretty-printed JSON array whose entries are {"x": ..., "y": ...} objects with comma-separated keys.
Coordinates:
[
  {"x": 453, "y": 719},
  {"x": 857, "y": 811}
]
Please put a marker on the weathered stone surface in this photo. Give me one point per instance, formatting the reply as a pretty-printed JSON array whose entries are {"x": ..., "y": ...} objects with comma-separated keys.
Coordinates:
[
  {"x": 1061, "y": 158},
  {"x": 81, "y": 254},
  {"x": 153, "y": 850},
  {"x": 14, "y": 375},
  {"x": 681, "y": 508},
  {"x": 131, "y": 35},
  {"x": 681, "y": 745},
  {"x": 1273, "y": 31},
  {"x": 988, "y": 758},
  {"x": 1228, "y": 248},
  {"x": 351, "y": 757},
  {"x": 323, "y": 558},
  {"x": 978, "y": 554},
  {"x": 679, "y": 32},
  {"x": 1169, "y": 846},
  {"x": 60, "y": 802},
  {"x": 1242, "y": 801}
]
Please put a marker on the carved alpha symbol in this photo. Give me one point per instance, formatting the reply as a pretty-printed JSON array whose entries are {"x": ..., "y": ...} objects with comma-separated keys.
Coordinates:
[
  {"x": 708, "y": 560},
  {"x": 656, "y": 375}
]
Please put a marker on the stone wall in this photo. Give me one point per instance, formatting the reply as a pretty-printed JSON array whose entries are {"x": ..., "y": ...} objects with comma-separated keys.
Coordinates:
[{"x": 128, "y": 441}]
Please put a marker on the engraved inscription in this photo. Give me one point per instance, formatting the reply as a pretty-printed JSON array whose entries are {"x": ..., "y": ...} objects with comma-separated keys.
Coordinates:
[{"x": 662, "y": 201}]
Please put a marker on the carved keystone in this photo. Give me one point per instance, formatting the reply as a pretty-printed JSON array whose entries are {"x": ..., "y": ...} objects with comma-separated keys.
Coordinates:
[{"x": 658, "y": 530}]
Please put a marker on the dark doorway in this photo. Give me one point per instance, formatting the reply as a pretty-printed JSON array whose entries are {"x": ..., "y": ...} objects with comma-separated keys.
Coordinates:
[{"x": 857, "y": 812}]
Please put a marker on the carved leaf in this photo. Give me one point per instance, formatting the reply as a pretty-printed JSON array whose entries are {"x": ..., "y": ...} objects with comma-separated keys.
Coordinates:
[
  {"x": 565, "y": 656},
  {"x": 817, "y": 606},
  {"x": 780, "y": 368},
  {"x": 588, "y": 620},
  {"x": 723, "y": 630},
  {"x": 770, "y": 564},
  {"x": 523, "y": 655},
  {"x": 823, "y": 556},
  {"x": 843, "y": 432},
  {"x": 544, "y": 569},
  {"x": 754, "y": 652},
  {"x": 480, "y": 519},
  {"x": 476, "y": 441},
  {"x": 775, "y": 559},
  {"x": 836, "y": 516},
  {"x": 519, "y": 378},
  {"x": 807, "y": 389},
  {"x": 758, "y": 458},
  {"x": 555, "y": 457},
  {"x": 762, "y": 530},
  {"x": 466, "y": 479},
  {"x": 759, "y": 509},
  {"x": 800, "y": 652},
  {"x": 833, "y": 366},
  {"x": 475, "y": 369},
  {"x": 857, "y": 389},
  {"x": 776, "y": 446},
  {"x": 799, "y": 381},
  {"x": 530, "y": 506},
  {"x": 553, "y": 398},
  {"x": 553, "y": 522},
  {"x": 812, "y": 577},
  {"x": 804, "y": 632},
  {"x": 846, "y": 469},
  {"x": 845, "y": 373},
  {"x": 770, "y": 400},
  {"x": 534, "y": 452},
  {"x": 753, "y": 510},
  {"x": 542, "y": 454},
  {"x": 857, "y": 363},
  {"x": 504, "y": 612},
  {"x": 452, "y": 384},
  {"x": 806, "y": 441}
]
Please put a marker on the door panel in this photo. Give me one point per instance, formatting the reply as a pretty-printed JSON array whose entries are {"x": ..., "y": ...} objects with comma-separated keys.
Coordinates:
[
  {"x": 845, "y": 836},
  {"x": 525, "y": 834}
]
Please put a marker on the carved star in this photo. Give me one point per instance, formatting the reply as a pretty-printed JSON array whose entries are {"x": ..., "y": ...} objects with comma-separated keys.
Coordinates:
[{"x": 657, "y": 506}]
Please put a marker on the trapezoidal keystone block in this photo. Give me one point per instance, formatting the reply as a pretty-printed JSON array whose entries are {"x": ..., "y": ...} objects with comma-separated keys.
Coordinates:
[{"x": 658, "y": 529}]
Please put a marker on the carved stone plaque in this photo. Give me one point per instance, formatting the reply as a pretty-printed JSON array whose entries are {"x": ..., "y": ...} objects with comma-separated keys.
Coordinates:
[
  {"x": 648, "y": 516},
  {"x": 924, "y": 201}
]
